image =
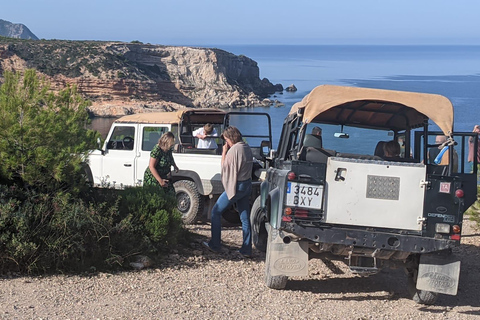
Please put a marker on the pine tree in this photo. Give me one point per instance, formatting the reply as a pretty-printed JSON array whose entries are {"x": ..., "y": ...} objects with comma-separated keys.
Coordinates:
[{"x": 43, "y": 135}]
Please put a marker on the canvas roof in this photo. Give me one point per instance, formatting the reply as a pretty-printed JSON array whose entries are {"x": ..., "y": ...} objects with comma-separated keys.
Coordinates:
[
  {"x": 167, "y": 117},
  {"x": 375, "y": 108}
]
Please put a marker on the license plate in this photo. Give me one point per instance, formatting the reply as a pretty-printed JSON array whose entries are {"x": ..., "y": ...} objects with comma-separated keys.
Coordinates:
[{"x": 304, "y": 195}]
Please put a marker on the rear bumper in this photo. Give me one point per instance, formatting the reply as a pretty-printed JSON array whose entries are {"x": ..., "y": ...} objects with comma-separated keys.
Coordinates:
[{"x": 371, "y": 239}]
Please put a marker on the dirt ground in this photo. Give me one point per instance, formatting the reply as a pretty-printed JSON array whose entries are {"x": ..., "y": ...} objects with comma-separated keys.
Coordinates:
[{"x": 196, "y": 284}]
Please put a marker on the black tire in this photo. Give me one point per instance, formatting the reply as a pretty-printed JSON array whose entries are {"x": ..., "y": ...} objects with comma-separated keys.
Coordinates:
[
  {"x": 275, "y": 282},
  {"x": 189, "y": 201},
  {"x": 420, "y": 296},
  {"x": 257, "y": 222},
  {"x": 231, "y": 217}
]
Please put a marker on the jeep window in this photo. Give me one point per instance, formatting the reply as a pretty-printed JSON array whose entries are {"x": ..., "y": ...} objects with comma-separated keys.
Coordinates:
[
  {"x": 359, "y": 141},
  {"x": 217, "y": 128},
  {"x": 122, "y": 138},
  {"x": 151, "y": 136}
]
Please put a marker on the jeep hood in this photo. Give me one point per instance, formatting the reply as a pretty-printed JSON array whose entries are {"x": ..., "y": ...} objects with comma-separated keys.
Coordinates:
[{"x": 375, "y": 108}]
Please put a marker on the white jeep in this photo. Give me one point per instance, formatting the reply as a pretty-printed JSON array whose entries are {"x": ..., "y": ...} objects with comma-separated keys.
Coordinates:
[
  {"x": 125, "y": 154},
  {"x": 328, "y": 198}
]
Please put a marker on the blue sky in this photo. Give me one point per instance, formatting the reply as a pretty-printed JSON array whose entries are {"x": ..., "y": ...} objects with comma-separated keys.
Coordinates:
[{"x": 207, "y": 22}]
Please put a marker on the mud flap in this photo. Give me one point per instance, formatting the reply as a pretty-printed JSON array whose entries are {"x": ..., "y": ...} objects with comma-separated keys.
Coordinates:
[
  {"x": 286, "y": 259},
  {"x": 438, "y": 273}
]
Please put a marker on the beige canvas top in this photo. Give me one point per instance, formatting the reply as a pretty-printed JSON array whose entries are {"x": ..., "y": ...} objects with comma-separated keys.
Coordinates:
[
  {"x": 167, "y": 117},
  {"x": 375, "y": 108}
]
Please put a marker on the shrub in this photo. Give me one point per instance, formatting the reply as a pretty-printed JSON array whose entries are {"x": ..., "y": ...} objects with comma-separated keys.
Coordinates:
[
  {"x": 49, "y": 218},
  {"x": 49, "y": 232}
]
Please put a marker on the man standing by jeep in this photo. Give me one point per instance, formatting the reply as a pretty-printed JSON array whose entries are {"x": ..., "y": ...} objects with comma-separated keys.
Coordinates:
[{"x": 206, "y": 137}]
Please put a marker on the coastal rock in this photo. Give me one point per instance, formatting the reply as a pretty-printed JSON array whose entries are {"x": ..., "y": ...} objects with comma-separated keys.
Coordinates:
[
  {"x": 15, "y": 30},
  {"x": 291, "y": 88},
  {"x": 123, "y": 78}
]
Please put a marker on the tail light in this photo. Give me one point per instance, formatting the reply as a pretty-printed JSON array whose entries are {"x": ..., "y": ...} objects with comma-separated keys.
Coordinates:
[
  {"x": 291, "y": 176},
  {"x": 442, "y": 228},
  {"x": 301, "y": 213},
  {"x": 456, "y": 229},
  {"x": 459, "y": 193},
  {"x": 455, "y": 237}
]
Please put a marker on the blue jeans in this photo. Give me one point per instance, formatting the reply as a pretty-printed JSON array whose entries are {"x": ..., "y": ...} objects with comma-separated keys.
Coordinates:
[{"x": 242, "y": 199}]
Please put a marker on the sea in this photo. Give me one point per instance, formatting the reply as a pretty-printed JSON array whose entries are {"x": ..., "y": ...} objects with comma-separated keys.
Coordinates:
[{"x": 452, "y": 71}]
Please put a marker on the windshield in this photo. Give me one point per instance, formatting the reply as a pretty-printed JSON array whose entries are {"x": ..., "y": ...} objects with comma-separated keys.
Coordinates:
[{"x": 360, "y": 141}]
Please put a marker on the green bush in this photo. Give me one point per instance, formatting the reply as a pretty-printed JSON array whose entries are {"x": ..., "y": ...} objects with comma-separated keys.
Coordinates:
[
  {"x": 49, "y": 218},
  {"x": 50, "y": 232}
]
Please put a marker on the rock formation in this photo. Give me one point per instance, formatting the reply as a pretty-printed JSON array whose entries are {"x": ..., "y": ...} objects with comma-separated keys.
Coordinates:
[
  {"x": 291, "y": 88},
  {"x": 122, "y": 78},
  {"x": 15, "y": 30}
]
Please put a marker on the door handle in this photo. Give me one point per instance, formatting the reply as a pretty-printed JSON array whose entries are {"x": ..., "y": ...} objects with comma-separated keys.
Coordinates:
[
  {"x": 339, "y": 176},
  {"x": 127, "y": 164}
]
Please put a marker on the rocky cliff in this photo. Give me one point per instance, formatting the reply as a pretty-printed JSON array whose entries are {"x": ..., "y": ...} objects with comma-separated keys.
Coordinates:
[
  {"x": 15, "y": 30},
  {"x": 122, "y": 78}
]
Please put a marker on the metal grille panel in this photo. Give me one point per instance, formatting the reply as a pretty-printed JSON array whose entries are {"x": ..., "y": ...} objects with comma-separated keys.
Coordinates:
[{"x": 381, "y": 187}]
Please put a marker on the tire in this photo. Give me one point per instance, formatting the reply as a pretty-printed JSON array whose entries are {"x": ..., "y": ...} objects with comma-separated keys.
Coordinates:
[
  {"x": 231, "y": 217},
  {"x": 259, "y": 231},
  {"x": 420, "y": 296},
  {"x": 275, "y": 282},
  {"x": 189, "y": 201}
]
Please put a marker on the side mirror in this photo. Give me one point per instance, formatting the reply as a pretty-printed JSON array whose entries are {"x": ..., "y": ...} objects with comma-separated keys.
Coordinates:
[
  {"x": 265, "y": 147},
  {"x": 341, "y": 135},
  {"x": 99, "y": 145}
]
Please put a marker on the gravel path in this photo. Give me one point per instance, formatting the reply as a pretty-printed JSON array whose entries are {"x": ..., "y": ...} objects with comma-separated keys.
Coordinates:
[{"x": 195, "y": 284}]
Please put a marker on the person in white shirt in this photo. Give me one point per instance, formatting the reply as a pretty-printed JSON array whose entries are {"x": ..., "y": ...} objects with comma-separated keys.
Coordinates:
[{"x": 206, "y": 137}]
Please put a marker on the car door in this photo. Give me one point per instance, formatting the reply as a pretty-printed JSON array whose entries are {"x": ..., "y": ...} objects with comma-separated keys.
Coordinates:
[
  {"x": 148, "y": 136},
  {"x": 119, "y": 158}
]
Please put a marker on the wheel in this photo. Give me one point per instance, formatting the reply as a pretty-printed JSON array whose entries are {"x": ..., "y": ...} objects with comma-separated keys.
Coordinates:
[
  {"x": 420, "y": 296},
  {"x": 275, "y": 282},
  {"x": 259, "y": 231},
  {"x": 231, "y": 217},
  {"x": 189, "y": 201}
]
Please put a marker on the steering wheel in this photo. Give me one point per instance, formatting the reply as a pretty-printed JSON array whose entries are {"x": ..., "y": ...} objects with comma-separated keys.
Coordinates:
[{"x": 127, "y": 143}]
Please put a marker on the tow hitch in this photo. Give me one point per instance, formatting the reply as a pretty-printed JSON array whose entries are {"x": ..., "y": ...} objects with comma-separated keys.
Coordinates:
[{"x": 362, "y": 265}]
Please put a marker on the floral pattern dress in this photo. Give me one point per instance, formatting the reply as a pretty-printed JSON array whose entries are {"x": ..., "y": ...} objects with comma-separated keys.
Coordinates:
[{"x": 164, "y": 166}]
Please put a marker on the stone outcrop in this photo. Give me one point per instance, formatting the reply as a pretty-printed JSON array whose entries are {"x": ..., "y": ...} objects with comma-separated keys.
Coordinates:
[
  {"x": 291, "y": 88},
  {"x": 15, "y": 30},
  {"x": 123, "y": 78}
]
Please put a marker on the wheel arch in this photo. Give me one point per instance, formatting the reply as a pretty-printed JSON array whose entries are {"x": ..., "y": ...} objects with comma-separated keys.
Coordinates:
[
  {"x": 273, "y": 207},
  {"x": 88, "y": 172},
  {"x": 189, "y": 175}
]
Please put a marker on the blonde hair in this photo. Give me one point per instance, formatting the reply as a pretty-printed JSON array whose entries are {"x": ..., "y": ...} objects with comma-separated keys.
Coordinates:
[
  {"x": 208, "y": 128},
  {"x": 233, "y": 134},
  {"x": 166, "y": 141}
]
